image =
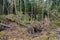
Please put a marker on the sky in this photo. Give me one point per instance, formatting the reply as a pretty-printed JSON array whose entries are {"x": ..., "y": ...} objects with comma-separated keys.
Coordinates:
[{"x": 44, "y": 0}]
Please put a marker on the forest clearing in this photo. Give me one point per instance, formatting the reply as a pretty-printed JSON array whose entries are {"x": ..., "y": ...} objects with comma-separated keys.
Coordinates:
[{"x": 30, "y": 20}]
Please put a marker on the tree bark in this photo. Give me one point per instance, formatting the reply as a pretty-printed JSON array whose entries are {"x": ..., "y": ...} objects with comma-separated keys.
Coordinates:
[
  {"x": 3, "y": 6},
  {"x": 20, "y": 4},
  {"x": 14, "y": 7}
]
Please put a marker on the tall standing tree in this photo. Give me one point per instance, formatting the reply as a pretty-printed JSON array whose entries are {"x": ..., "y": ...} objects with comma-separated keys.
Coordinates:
[
  {"x": 14, "y": 7},
  {"x": 3, "y": 2}
]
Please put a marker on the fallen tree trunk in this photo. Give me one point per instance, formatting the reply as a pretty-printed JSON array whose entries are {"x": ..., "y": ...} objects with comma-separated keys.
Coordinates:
[{"x": 3, "y": 26}]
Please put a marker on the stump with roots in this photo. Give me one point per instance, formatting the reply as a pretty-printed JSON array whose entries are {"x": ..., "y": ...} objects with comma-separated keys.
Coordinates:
[{"x": 35, "y": 28}]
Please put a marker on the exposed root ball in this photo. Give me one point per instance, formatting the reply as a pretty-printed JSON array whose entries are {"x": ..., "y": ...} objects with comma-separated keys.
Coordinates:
[{"x": 35, "y": 28}]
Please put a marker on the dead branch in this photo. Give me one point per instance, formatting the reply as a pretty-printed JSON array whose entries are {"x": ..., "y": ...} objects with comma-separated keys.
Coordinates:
[{"x": 55, "y": 17}]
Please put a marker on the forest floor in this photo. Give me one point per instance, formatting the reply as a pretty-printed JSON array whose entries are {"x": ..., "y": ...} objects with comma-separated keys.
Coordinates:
[{"x": 16, "y": 32}]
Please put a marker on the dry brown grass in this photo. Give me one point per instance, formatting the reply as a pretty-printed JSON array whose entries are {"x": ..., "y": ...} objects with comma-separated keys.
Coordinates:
[{"x": 17, "y": 33}]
